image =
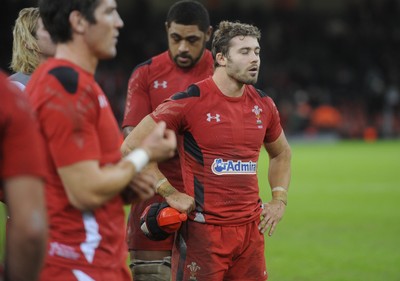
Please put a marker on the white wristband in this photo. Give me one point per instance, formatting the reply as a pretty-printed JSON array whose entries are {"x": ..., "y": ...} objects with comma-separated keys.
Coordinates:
[
  {"x": 279, "y": 188},
  {"x": 139, "y": 158}
]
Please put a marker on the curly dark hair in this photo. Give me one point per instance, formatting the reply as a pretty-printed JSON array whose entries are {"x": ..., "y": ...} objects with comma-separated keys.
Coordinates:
[{"x": 228, "y": 30}]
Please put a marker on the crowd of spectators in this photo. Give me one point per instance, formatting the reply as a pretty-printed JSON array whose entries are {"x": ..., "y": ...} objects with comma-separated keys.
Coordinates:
[{"x": 330, "y": 71}]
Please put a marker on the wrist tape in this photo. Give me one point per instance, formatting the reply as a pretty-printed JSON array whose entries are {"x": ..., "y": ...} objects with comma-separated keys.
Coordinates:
[
  {"x": 139, "y": 158},
  {"x": 279, "y": 193},
  {"x": 160, "y": 182}
]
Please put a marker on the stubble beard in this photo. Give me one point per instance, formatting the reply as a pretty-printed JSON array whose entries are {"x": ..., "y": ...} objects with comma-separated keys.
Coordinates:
[
  {"x": 244, "y": 78},
  {"x": 191, "y": 59}
]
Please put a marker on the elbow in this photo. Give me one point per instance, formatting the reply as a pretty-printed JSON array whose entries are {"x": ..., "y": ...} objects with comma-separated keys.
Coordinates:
[
  {"x": 288, "y": 153},
  {"x": 284, "y": 155},
  {"x": 35, "y": 228},
  {"x": 38, "y": 238}
]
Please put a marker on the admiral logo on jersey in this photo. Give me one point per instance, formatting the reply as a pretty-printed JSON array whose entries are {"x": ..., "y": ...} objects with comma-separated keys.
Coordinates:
[{"x": 230, "y": 167}]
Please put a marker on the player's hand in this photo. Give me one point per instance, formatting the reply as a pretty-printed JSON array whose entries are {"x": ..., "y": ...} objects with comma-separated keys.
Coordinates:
[
  {"x": 271, "y": 215},
  {"x": 181, "y": 201},
  {"x": 160, "y": 144},
  {"x": 143, "y": 184}
]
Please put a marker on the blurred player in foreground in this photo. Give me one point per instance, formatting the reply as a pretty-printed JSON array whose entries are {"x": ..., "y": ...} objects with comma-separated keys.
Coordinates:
[
  {"x": 87, "y": 175},
  {"x": 32, "y": 45},
  {"x": 224, "y": 121},
  {"x": 22, "y": 170},
  {"x": 185, "y": 62}
]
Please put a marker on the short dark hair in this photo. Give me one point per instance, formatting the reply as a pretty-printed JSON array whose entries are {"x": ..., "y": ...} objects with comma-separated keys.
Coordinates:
[
  {"x": 228, "y": 30},
  {"x": 189, "y": 12},
  {"x": 55, "y": 16}
]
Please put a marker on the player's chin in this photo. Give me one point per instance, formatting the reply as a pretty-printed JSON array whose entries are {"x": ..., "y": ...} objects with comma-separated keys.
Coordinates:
[
  {"x": 186, "y": 64},
  {"x": 252, "y": 79},
  {"x": 249, "y": 81},
  {"x": 109, "y": 54}
]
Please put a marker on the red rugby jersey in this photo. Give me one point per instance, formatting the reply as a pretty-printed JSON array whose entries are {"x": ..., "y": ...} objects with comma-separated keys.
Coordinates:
[
  {"x": 21, "y": 145},
  {"x": 149, "y": 85},
  {"x": 78, "y": 124},
  {"x": 222, "y": 137},
  {"x": 154, "y": 81}
]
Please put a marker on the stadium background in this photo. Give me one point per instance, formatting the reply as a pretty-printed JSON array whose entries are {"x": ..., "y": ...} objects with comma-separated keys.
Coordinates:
[{"x": 333, "y": 67}]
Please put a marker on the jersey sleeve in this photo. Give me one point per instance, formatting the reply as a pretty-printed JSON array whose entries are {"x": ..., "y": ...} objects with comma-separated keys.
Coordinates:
[
  {"x": 138, "y": 103},
  {"x": 22, "y": 146},
  {"x": 69, "y": 124},
  {"x": 274, "y": 128},
  {"x": 172, "y": 112}
]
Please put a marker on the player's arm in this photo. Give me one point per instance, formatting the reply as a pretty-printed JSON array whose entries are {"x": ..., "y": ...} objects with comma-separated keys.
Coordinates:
[
  {"x": 127, "y": 130},
  {"x": 176, "y": 199},
  {"x": 137, "y": 190},
  {"x": 27, "y": 228},
  {"x": 89, "y": 186},
  {"x": 279, "y": 153},
  {"x": 138, "y": 103}
]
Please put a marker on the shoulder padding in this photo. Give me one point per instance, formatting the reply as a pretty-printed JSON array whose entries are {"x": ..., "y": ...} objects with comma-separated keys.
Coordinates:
[
  {"x": 192, "y": 91},
  {"x": 148, "y": 62},
  {"x": 67, "y": 77},
  {"x": 262, "y": 93}
]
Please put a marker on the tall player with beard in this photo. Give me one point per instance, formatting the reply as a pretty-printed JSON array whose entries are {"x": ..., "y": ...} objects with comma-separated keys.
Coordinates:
[
  {"x": 224, "y": 121},
  {"x": 185, "y": 62},
  {"x": 87, "y": 177}
]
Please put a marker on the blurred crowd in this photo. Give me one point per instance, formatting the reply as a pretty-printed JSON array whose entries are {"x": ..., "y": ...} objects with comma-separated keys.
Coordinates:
[{"x": 331, "y": 72}]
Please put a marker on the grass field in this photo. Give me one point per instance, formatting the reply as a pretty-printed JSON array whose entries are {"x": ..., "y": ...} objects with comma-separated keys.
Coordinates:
[{"x": 342, "y": 222}]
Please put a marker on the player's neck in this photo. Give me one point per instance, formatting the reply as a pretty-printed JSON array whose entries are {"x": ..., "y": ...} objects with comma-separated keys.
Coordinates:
[
  {"x": 226, "y": 84},
  {"x": 78, "y": 55}
]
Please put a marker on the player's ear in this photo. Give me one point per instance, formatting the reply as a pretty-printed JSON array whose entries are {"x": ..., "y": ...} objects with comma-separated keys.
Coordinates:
[
  {"x": 78, "y": 22},
  {"x": 209, "y": 33},
  {"x": 166, "y": 27},
  {"x": 220, "y": 59}
]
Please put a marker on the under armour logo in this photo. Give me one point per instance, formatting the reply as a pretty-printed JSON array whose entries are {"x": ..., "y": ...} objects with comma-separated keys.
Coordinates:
[
  {"x": 216, "y": 117},
  {"x": 102, "y": 101},
  {"x": 158, "y": 84}
]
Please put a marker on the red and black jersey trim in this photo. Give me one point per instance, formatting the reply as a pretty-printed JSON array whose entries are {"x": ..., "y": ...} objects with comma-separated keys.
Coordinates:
[
  {"x": 199, "y": 195},
  {"x": 192, "y": 91},
  {"x": 148, "y": 62},
  {"x": 190, "y": 145},
  {"x": 68, "y": 78},
  {"x": 262, "y": 94}
]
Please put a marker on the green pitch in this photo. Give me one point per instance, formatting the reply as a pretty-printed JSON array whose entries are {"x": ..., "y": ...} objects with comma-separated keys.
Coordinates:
[{"x": 342, "y": 222}]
